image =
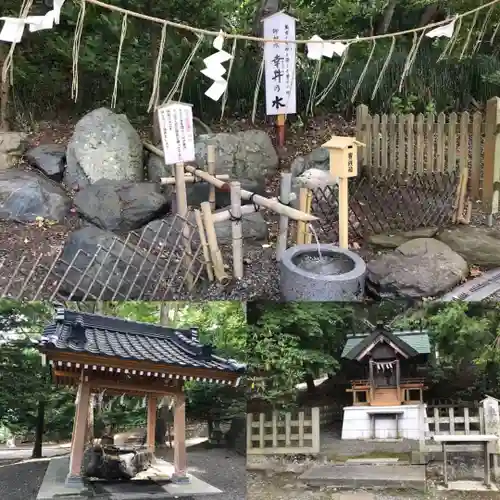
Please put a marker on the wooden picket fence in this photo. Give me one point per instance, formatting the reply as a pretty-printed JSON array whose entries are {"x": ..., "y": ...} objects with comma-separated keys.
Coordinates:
[
  {"x": 411, "y": 143},
  {"x": 286, "y": 433}
]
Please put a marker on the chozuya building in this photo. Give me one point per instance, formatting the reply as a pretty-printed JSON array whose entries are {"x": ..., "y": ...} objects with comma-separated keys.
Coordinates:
[
  {"x": 96, "y": 353},
  {"x": 387, "y": 398}
]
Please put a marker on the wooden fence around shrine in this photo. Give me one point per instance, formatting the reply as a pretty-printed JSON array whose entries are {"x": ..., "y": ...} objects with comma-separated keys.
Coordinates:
[
  {"x": 284, "y": 433},
  {"x": 409, "y": 143}
]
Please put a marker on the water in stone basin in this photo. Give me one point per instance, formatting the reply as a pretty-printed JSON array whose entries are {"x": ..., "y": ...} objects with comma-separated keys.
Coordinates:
[{"x": 322, "y": 264}]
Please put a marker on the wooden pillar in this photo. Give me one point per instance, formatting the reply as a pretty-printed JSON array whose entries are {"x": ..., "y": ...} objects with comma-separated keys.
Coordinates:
[
  {"x": 180, "y": 461},
  {"x": 79, "y": 431},
  {"x": 371, "y": 381},
  {"x": 152, "y": 405},
  {"x": 398, "y": 379}
]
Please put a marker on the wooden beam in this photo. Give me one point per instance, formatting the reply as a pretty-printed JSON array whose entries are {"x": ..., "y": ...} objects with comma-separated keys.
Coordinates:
[
  {"x": 147, "y": 366},
  {"x": 124, "y": 387}
]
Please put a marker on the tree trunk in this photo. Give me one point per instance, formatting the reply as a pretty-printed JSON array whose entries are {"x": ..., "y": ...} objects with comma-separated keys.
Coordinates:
[
  {"x": 40, "y": 419},
  {"x": 311, "y": 388},
  {"x": 429, "y": 14},
  {"x": 162, "y": 413},
  {"x": 4, "y": 91},
  {"x": 385, "y": 22},
  {"x": 265, "y": 9}
]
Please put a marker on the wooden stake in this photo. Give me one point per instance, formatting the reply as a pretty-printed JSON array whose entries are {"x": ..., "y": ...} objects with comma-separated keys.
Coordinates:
[
  {"x": 182, "y": 210},
  {"x": 190, "y": 178},
  {"x": 204, "y": 245},
  {"x": 211, "y": 171},
  {"x": 273, "y": 205},
  {"x": 236, "y": 229},
  {"x": 213, "y": 246},
  {"x": 343, "y": 212},
  {"x": 285, "y": 191},
  {"x": 280, "y": 124}
]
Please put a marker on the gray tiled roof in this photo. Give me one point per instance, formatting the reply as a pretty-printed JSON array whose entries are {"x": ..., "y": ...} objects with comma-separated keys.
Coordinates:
[
  {"x": 115, "y": 337},
  {"x": 417, "y": 340}
]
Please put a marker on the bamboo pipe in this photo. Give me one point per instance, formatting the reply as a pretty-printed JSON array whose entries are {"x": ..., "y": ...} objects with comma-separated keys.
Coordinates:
[
  {"x": 225, "y": 215},
  {"x": 275, "y": 206},
  {"x": 189, "y": 179}
]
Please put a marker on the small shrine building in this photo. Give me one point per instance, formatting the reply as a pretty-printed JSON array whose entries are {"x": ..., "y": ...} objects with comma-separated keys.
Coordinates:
[
  {"x": 387, "y": 398},
  {"x": 95, "y": 353}
]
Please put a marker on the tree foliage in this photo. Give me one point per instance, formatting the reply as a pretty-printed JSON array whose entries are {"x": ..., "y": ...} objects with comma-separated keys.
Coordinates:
[{"x": 43, "y": 61}]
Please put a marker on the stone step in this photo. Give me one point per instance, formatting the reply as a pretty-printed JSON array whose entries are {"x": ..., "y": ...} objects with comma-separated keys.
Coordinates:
[{"x": 366, "y": 476}]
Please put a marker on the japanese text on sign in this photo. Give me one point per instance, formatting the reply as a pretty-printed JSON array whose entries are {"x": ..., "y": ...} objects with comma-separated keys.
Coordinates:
[
  {"x": 177, "y": 134},
  {"x": 350, "y": 167},
  {"x": 279, "y": 64}
]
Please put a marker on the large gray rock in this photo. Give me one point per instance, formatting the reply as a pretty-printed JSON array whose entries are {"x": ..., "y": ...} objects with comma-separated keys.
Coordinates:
[
  {"x": 104, "y": 145},
  {"x": 49, "y": 159},
  {"x": 478, "y": 245},
  {"x": 423, "y": 267},
  {"x": 245, "y": 156},
  {"x": 24, "y": 196},
  {"x": 118, "y": 269},
  {"x": 121, "y": 205},
  {"x": 318, "y": 158},
  {"x": 12, "y": 147}
]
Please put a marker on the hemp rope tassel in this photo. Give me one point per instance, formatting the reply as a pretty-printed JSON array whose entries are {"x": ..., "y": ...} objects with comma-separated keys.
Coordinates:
[
  {"x": 384, "y": 68},
  {"x": 407, "y": 62},
  {"x": 230, "y": 68},
  {"x": 482, "y": 31},
  {"x": 323, "y": 94},
  {"x": 451, "y": 42},
  {"x": 8, "y": 63},
  {"x": 179, "y": 82},
  {"x": 157, "y": 77},
  {"x": 257, "y": 89},
  {"x": 493, "y": 36},
  {"x": 76, "y": 49},
  {"x": 118, "y": 60},
  {"x": 469, "y": 35},
  {"x": 314, "y": 85},
  {"x": 363, "y": 73}
]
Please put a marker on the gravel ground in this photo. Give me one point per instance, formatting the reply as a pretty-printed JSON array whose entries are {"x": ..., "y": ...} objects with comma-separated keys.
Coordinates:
[
  {"x": 224, "y": 469},
  {"x": 21, "y": 481},
  {"x": 221, "y": 468},
  {"x": 286, "y": 487}
]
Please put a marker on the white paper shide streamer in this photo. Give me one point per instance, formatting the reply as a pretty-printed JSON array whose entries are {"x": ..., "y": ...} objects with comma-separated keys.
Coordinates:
[
  {"x": 317, "y": 50},
  {"x": 445, "y": 30},
  {"x": 13, "y": 28},
  {"x": 215, "y": 70}
]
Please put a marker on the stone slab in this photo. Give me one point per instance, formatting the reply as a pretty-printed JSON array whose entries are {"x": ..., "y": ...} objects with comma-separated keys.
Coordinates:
[
  {"x": 366, "y": 476},
  {"x": 54, "y": 482},
  {"x": 54, "y": 488},
  {"x": 372, "y": 461},
  {"x": 467, "y": 486}
]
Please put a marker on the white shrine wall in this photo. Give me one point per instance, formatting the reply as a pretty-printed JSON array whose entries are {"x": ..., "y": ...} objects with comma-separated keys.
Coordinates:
[{"x": 411, "y": 422}]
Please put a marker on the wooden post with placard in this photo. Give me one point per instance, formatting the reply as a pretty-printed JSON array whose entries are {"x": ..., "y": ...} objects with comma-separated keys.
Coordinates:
[
  {"x": 343, "y": 164},
  {"x": 279, "y": 67},
  {"x": 175, "y": 120}
]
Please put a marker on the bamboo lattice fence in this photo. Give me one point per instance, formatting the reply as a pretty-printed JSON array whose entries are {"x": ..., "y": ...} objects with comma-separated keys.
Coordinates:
[{"x": 409, "y": 143}]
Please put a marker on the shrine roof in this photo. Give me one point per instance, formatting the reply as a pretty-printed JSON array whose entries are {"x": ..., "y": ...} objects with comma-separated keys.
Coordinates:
[
  {"x": 93, "y": 334},
  {"x": 416, "y": 341}
]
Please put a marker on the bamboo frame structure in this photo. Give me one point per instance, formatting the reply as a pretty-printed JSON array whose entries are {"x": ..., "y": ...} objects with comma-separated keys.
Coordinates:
[
  {"x": 285, "y": 199},
  {"x": 211, "y": 171},
  {"x": 236, "y": 230},
  {"x": 190, "y": 179},
  {"x": 213, "y": 246},
  {"x": 182, "y": 210},
  {"x": 273, "y": 205},
  {"x": 204, "y": 244}
]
